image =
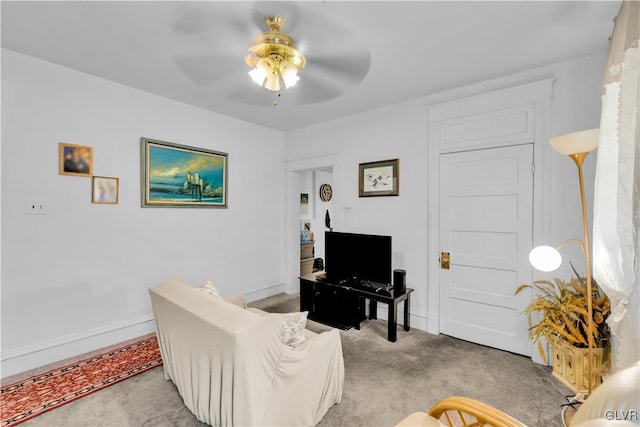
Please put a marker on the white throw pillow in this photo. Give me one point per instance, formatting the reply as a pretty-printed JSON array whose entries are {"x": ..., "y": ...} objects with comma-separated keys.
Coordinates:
[
  {"x": 208, "y": 288},
  {"x": 292, "y": 328}
]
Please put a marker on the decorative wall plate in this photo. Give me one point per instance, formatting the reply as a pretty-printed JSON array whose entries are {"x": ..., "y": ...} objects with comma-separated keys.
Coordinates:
[{"x": 326, "y": 192}]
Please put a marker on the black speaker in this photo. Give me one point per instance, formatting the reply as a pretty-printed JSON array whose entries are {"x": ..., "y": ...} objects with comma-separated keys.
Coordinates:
[{"x": 399, "y": 282}]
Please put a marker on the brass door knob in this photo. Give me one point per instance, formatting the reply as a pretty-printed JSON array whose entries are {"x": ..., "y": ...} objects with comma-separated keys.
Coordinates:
[{"x": 444, "y": 260}]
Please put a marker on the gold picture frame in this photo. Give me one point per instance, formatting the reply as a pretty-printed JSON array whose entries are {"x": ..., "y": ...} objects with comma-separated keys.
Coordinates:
[
  {"x": 175, "y": 175},
  {"x": 75, "y": 160},
  {"x": 381, "y": 178},
  {"x": 105, "y": 190}
]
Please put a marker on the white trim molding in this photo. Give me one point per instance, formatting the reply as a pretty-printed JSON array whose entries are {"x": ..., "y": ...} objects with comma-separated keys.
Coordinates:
[
  {"x": 267, "y": 292},
  {"x": 29, "y": 357}
]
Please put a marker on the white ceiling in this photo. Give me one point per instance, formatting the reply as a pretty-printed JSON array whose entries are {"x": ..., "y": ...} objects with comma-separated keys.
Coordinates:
[{"x": 416, "y": 48}]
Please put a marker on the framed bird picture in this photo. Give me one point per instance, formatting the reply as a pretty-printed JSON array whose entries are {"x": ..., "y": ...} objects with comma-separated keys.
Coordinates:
[{"x": 380, "y": 178}]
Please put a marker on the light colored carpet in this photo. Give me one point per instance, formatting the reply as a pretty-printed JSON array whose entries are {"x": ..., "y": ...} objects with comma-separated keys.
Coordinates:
[{"x": 384, "y": 383}]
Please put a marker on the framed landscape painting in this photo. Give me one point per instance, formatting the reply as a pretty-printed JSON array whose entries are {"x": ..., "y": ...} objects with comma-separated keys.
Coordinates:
[
  {"x": 175, "y": 175},
  {"x": 379, "y": 178}
]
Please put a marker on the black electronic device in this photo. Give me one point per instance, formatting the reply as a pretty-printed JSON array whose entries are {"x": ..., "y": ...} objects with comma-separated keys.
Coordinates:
[
  {"x": 358, "y": 257},
  {"x": 399, "y": 282},
  {"x": 341, "y": 303}
]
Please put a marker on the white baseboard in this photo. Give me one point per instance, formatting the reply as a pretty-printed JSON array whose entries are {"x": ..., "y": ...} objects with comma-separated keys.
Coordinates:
[
  {"x": 433, "y": 326},
  {"x": 29, "y": 357},
  {"x": 266, "y": 292},
  {"x": 26, "y": 358},
  {"x": 417, "y": 320}
]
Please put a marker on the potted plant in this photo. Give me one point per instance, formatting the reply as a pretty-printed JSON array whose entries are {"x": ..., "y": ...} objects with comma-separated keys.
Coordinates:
[{"x": 562, "y": 312}]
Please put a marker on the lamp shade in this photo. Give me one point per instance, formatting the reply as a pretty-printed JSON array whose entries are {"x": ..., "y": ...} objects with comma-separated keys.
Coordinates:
[
  {"x": 272, "y": 82},
  {"x": 289, "y": 74},
  {"x": 258, "y": 75},
  {"x": 545, "y": 258},
  {"x": 576, "y": 142}
]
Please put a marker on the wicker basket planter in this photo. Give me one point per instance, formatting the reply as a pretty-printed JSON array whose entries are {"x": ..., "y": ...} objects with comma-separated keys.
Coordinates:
[{"x": 570, "y": 365}]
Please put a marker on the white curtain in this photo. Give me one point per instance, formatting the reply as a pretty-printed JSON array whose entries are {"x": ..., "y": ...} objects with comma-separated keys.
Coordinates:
[{"x": 616, "y": 243}]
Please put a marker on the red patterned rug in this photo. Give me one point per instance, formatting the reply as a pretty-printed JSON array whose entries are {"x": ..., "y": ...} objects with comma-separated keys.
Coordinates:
[{"x": 40, "y": 393}]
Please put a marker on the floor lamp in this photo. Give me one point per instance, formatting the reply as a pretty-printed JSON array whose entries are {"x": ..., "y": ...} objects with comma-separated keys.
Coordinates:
[{"x": 576, "y": 145}]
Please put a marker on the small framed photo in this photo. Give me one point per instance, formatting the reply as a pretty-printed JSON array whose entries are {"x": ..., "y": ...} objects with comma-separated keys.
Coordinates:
[
  {"x": 304, "y": 203},
  {"x": 75, "y": 160},
  {"x": 105, "y": 190},
  {"x": 379, "y": 178}
]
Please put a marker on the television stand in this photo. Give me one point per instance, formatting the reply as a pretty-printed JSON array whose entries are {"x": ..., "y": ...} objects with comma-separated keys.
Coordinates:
[{"x": 342, "y": 305}]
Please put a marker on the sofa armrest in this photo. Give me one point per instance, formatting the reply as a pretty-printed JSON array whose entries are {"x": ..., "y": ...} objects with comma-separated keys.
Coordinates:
[
  {"x": 309, "y": 380},
  {"x": 236, "y": 300}
]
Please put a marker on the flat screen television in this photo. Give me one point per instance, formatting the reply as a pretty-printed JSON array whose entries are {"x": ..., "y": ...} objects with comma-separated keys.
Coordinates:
[{"x": 358, "y": 256}]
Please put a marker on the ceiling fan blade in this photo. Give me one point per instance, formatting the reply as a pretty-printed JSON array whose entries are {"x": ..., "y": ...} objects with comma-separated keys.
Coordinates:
[
  {"x": 197, "y": 18},
  {"x": 351, "y": 69},
  {"x": 251, "y": 94},
  {"x": 323, "y": 79},
  {"x": 311, "y": 90},
  {"x": 257, "y": 18},
  {"x": 287, "y": 9},
  {"x": 206, "y": 69}
]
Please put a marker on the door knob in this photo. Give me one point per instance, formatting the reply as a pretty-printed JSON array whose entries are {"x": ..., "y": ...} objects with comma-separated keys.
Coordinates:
[{"x": 444, "y": 260}]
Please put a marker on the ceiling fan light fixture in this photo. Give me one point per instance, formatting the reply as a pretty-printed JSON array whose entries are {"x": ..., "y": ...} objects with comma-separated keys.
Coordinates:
[
  {"x": 263, "y": 68},
  {"x": 272, "y": 82},
  {"x": 258, "y": 75},
  {"x": 274, "y": 55},
  {"x": 289, "y": 74}
]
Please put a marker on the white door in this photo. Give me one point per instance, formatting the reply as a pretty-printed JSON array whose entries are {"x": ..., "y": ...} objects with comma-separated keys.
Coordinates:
[{"x": 486, "y": 225}]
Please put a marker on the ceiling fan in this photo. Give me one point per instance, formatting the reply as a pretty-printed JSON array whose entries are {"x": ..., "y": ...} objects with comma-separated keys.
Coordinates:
[
  {"x": 212, "y": 48},
  {"x": 274, "y": 57}
]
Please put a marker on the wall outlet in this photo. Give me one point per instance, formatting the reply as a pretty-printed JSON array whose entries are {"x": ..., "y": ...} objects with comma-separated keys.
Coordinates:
[{"x": 36, "y": 207}]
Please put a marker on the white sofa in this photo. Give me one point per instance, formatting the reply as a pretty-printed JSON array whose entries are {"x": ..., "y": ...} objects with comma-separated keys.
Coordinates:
[{"x": 231, "y": 368}]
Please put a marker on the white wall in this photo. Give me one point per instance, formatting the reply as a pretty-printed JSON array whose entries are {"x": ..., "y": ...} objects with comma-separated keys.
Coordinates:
[
  {"x": 401, "y": 131},
  {"x": 77, "y": 277}
]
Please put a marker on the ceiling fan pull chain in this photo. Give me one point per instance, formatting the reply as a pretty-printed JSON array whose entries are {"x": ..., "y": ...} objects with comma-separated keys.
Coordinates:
[{"x": 275, "y": 102}]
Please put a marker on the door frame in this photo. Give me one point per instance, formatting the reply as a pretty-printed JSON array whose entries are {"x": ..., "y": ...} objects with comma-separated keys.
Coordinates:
[
  {"x": 535, "y": 96},
  {"x": 292, "y": 206}
]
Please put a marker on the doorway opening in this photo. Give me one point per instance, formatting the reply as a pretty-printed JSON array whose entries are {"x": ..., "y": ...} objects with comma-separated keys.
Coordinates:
[
  {"x": 316, "y": 216},
  {"x": 305, "y": 179}
]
